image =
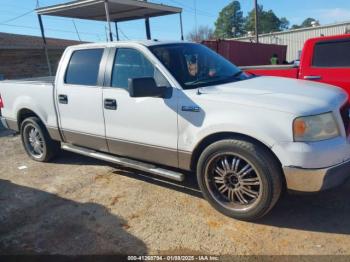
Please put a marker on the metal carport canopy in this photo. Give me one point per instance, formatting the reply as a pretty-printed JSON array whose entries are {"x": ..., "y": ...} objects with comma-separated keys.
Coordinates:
[
  {"x": 107, "y": 10},
  {"x": 119, "y": 10}
]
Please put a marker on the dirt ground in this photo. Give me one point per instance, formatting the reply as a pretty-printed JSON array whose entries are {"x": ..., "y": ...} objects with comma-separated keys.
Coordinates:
[{"x": 76, "y": 205}]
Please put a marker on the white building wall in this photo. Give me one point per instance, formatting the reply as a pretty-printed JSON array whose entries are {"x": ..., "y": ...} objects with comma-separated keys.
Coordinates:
[{"x": 295, "y": 39}]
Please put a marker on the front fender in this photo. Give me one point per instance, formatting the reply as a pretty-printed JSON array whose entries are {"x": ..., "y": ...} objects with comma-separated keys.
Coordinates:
[
  {"x": 269, "y": 127},
  {"x": 266, "y": 126}
]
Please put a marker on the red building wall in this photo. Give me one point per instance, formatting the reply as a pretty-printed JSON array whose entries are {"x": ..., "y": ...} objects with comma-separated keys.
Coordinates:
[{"x": 245, "y": 53}]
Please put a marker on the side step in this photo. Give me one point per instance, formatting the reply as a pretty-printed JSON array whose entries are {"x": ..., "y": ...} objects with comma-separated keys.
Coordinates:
[{"x": 125, "y": 162}]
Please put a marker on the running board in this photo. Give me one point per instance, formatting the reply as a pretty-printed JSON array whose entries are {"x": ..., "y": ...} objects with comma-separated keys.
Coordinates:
[{"x": 125, "y": 162}]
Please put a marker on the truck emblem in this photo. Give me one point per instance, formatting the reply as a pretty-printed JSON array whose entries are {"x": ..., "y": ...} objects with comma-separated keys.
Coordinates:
[{"x": 190, "y": 108}]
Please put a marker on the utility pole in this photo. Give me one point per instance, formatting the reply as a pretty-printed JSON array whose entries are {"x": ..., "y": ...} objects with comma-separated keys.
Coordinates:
[
  {"x": 195, "y": 17},
  {"x": 256, "y": 21}
]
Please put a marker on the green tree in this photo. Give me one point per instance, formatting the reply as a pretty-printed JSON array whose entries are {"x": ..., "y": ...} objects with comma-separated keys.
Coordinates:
[
  {"x": 230, "y": 22},
  {"x": 306, "y": 23},
  {"x": 284, "y": 23},
  {"x": 268, "y": 21}
]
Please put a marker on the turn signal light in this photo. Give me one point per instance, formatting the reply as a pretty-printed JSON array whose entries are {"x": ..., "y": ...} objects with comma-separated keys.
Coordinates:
[{"x": 299, "y": 127}]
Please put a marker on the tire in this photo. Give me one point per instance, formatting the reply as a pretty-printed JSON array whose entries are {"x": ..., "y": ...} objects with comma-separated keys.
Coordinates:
[
  {"x": 246, "y": 189},
  {"x": 36, "y": 140}
]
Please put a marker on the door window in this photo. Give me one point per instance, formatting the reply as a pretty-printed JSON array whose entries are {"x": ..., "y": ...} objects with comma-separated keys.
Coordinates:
[
  {"x": 332, "y": 54},
  {"x": 83, "y": 67},
  {"x": 130, "y": 63}
]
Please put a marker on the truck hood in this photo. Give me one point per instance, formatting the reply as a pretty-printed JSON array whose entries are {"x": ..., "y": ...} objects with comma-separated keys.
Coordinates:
[{"x": 280, "y": 94}]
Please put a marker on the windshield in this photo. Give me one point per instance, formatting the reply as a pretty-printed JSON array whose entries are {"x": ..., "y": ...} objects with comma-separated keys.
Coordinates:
[{"x": 195, "y": 65}]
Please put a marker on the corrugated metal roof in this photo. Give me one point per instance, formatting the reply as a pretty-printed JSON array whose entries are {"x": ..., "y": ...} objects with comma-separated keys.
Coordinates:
[
  {"x": 15, "y": 41},
  {"x": 292, "y": 31},
  {"x": 119, "y": 10},
  {"x": 295, "y": 39}
]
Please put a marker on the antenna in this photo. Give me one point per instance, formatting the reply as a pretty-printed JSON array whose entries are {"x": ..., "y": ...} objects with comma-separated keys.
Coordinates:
[{"x": 76, "y": 30}]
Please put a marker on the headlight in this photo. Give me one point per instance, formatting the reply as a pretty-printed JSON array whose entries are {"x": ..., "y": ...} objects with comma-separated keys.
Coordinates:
[{"x": 315, "y": 128}]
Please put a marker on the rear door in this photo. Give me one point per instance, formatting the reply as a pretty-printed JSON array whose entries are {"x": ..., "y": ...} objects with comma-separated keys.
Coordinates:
[
  {"x": 329, "y": 63},
  {"x": 79, "y": 98}
]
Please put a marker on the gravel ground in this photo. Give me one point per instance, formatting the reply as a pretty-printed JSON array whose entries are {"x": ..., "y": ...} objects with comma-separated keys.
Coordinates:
[{"x": 76, "y": 205}]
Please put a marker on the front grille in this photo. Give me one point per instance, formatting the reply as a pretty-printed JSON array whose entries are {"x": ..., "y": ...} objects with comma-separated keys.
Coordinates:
[{"x": 344, "y": 111}]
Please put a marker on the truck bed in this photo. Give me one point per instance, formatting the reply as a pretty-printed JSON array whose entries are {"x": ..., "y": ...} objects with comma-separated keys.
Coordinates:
[
  {"x": 34, "y": 93},
  {"x": 33, "y": 80}
]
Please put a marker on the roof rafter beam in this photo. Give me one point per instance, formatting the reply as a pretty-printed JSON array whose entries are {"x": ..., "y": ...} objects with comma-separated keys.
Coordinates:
[{"x": 119, "y": 10}]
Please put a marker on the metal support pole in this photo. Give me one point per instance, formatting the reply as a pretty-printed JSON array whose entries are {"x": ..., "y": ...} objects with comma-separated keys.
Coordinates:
[
  {"x": 116, "y": 30},
  {"x": 45, "y": 44},
  {"x": 181, "y": 27},
  {"x": 108, "y": 21},
  {"x": 256, "y": 21},
  {"x": 148, "y": 29}
]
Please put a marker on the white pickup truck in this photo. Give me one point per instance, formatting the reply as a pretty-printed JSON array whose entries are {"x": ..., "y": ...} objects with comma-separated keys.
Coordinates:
[{"x": 172, "y": 107}]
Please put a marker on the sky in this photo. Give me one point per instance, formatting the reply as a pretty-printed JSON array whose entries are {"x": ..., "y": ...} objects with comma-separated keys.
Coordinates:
[{"x": 17, "y": 16}]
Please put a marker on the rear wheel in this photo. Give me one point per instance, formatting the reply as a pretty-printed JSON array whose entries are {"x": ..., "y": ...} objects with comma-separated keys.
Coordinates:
[
  {"x": 239, "y": 178},
  {"x": 36, "y": 140}
]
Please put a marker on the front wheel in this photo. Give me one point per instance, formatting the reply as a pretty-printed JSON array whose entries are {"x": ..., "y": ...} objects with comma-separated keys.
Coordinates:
[
  {"x": 36, "y": 140},
  {"x": 239, "y": 178}
]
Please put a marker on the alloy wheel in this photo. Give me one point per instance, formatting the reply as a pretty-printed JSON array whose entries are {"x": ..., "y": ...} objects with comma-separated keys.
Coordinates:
[{"x": 233, "y": 181}]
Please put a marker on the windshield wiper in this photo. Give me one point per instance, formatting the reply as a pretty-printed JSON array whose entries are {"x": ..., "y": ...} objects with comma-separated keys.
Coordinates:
[
  {"x": 237, "y": 74},
  {"x": 215, "y": 79},
  {"x": 203, "y": 80}
]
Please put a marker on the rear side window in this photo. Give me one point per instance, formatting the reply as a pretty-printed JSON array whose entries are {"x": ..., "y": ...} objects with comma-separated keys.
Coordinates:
[
  {"x": 332, "y": 54},
  {"x": 83, "y": 67}
]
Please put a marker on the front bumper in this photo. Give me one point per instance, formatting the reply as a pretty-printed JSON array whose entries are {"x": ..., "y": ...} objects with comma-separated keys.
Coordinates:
[{"x": 315, "y": 180}]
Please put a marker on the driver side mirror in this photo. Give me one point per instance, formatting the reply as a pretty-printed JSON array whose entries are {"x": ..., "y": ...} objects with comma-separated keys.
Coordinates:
[{"x": 145, "y": 87}]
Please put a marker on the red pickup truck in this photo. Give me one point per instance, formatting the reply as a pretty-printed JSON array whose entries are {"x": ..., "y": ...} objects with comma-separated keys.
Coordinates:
[{"x": 323, "y": 59}]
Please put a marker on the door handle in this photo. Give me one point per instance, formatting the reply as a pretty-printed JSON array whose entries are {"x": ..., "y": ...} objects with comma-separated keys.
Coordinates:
[
  {"x": 312, "y": 77},
  {"x": 63, "y": 99},
  {"x": 110, "y": 104}
]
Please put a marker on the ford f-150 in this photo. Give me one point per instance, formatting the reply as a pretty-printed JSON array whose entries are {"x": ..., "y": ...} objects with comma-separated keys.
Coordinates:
[{"x": 172, "y": 107}]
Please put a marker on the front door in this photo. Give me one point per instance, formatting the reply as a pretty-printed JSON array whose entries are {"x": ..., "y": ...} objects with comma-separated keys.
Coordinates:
[
  {"x": 140, "y": 128},
  {"x": 79, "y": 99}
]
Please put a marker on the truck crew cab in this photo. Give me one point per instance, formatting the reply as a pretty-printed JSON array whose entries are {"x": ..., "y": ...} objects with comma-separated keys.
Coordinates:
[{"x": 170, "y": 107}]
